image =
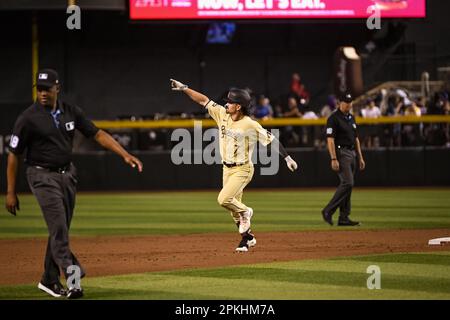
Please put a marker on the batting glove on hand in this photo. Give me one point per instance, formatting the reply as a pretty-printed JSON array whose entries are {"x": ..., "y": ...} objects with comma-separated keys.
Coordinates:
[
  {"x": 177, "y": 85},
  {"x": 291, "y": 164}
]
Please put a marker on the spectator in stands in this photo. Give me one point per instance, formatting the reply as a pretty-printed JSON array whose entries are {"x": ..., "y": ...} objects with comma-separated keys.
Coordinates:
[
  {"x": 412, "y": 110},
  {"x": 371, "y": 110},
  {"x": 293, "y": 110},
  {"x": 278, "y": 110},
  {"x": 370, "y": 133},
  {"x": 436, "y": 134},
  {"x": 391, "y": 132},
  {"x": 290, "y": 136},
  {"x": 263, "y": 109},
  {"x": 297, "y": 88},
  {"x": 396, "y": 109},
  {"x": 400, "y": 106},
  {"x": 310, "y": 134},
  {"x": 390, "y": 108},
  {"x": 332, "y": 101},
  {"x": 422, "y": 104},
  {"x": 309, "y": 114},
  {"x": 329, "y": 107},
  {"x": 437, "y": 106},
  {"x": 446, "y": 108},
  {"x": 411, "y": 133},
  {"x": 325, "y": 111}
]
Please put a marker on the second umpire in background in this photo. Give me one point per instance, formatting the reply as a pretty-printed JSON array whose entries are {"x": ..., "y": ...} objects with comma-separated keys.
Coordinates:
[
  {"x": 345, "y": 150},
  {"x": 45, "y": 132}
]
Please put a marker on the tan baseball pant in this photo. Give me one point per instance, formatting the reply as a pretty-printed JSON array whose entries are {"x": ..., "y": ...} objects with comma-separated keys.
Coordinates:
[{"x": 235, "y": 179}]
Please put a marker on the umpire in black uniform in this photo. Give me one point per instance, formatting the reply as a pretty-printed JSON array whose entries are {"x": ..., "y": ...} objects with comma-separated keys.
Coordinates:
[
  {"x": 45, "y": 132},
  {"x": 345, "y": 149}
]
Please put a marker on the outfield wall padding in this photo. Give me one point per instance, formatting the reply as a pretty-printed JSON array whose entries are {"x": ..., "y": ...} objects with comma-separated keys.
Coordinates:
[{"x": 387, "y": 167}]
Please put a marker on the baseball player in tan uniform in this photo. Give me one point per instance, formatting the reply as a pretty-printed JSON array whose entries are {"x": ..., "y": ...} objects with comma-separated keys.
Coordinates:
[{"x": 237, "y": 138}]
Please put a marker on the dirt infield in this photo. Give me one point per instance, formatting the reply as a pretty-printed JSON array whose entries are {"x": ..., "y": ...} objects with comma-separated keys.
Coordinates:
[{"x": 21, "y": 260}]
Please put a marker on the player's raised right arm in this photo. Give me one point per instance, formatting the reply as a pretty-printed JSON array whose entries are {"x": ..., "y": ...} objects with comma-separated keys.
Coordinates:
[{"x": 194, "y": 95}]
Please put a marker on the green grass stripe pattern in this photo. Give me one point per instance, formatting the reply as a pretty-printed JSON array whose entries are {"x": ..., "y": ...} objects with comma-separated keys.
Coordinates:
[
  {"x": 198, "y": 212},
  {"x": 403, "y": 276}
]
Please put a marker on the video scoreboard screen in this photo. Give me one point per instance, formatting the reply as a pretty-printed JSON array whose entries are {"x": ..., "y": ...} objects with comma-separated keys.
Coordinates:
[{"x": 273, "y": 9}]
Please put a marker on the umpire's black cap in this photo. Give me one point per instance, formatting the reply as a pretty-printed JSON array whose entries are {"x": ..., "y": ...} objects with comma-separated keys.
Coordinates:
[
  {"x": 47, "y": 78},
  {"x": 346, "y": 97},
  {"x": 239, "y": 96}
]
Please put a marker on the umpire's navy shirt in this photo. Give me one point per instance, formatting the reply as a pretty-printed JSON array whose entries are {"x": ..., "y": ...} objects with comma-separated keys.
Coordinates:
[
  {"x": 342, "y": 127},
  {"x": 48, "y": 139}
]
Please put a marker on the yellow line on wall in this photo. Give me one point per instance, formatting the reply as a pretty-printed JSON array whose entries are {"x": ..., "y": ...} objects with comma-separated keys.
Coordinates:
[{"x": 277, "y": 122}]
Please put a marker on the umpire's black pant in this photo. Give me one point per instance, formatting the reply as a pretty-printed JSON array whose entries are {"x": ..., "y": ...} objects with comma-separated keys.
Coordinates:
[
  {"x": 55, "y": 193},
  {"x": 342, "y": 196}
]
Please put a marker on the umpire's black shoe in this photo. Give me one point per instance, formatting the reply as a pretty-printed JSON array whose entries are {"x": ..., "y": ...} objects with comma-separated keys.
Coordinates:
[
  {"x": 347, "y": 223},
  {"x": 55, "y": 290},
  {"x": 74, "y": 293},
  {"x": 327, "y": 218}
]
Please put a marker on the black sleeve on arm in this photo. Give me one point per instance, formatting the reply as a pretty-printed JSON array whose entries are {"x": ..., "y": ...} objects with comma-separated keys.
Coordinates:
[
  {"x": 83, "y": 124},
  {"x": 331, "y": 127},
  {"x": 20, "y": 136},
  {"x": 281, "y": 150}
]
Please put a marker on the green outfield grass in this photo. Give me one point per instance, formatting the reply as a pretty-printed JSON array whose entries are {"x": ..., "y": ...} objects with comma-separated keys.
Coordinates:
[
  {"x": 198, "y": 212},
  {"x": 403, "y": 276}
]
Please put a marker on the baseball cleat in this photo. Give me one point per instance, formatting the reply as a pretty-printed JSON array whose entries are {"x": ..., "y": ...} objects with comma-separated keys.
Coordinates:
[
  {"x": 327, "y": 218},
  {"x": 244, "y": 223},
  {"x": 248, "y": 240},
  {"x": 242, "y": 249},
  {"x": 243, "y": 246},
  {"x": 347, "y": 223},
  {"x": 251, "y": 243},
  {"x": 251, "y": 240},
  {"x": 74, "y": 293},
  {"x": 56, "y": 290}
]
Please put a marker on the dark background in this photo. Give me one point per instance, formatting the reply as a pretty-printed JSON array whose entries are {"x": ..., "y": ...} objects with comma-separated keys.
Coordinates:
[
  {"x": 407, "y": 167},
  {"x": 113, "y": 67}
]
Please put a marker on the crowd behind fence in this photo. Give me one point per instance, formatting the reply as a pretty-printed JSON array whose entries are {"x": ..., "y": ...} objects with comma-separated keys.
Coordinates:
[{"x": 388, "y": 116}]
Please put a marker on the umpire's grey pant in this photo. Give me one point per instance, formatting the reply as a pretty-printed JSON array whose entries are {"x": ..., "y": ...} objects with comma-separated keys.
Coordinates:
[
  {"x": 341, "y": 198},
  {"x": 55, "y": 193}
]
